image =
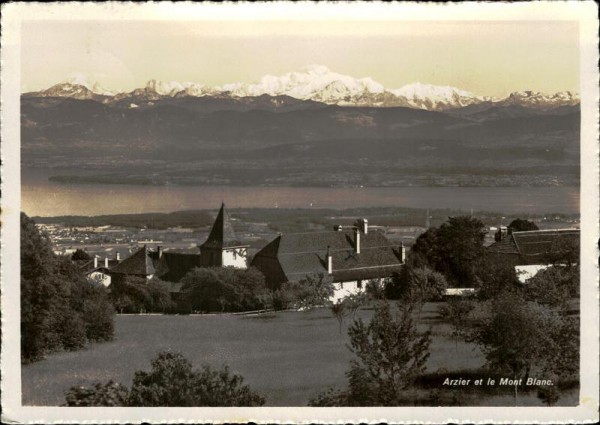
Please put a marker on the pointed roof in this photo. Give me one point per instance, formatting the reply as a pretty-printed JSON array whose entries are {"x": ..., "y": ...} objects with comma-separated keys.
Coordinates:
[
  {"x": 222, "y": 234},
  {"x": 139, "y": 263}
]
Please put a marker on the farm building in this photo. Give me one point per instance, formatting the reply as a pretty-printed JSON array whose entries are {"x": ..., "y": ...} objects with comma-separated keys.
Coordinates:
[
  {"x": 535, "y": 250},
  {"x": 351, "y": 256}
]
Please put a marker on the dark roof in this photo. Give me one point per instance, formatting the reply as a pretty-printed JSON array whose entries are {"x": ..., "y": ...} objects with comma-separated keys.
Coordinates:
[
  {"x": 539, "y": 242},
  {"x": 293, "y": 256},
  {"x": 222, "y": 234},
  {"x": 173, "y": 266},
  {"x": 140, "y": 263},
  {"x": 534, "y": 243},
  {"x": 505, "y": 246}
]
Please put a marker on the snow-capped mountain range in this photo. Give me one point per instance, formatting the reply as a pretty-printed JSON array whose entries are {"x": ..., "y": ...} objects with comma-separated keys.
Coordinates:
[{"x": 315, "y": 83}]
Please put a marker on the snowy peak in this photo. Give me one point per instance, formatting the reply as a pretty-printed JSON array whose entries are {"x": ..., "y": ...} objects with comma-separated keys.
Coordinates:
[
  {"x": 172, "y": 88},
  {"x": 316, "y": 83},
  {"x": 70, "y": 90},
  {"x": 537, "y": 100}
]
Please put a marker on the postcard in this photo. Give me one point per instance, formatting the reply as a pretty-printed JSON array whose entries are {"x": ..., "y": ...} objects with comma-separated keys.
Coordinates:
[{"x": 300, "y": 212}]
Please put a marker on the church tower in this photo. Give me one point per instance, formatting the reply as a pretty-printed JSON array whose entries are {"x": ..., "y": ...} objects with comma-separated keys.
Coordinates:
[{"x": 222, "y": 248}]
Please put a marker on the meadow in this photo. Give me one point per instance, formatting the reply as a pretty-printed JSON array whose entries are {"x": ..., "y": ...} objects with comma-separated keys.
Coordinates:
[{"x": 288, "y": 357}]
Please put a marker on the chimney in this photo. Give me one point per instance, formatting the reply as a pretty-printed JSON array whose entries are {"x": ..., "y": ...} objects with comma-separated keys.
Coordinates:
[
  {"x": 402, "y": 253},
  {"x": 118, "y": 256},
  {"x": 362, "y": 224},
  {"x": 95, "y": 261},
  {"x": 106, "y": 262},
  {"x": 357, "y": 240},
  {"x": 501, "y": 233},
  {"x": 337, "y": 228},
  {"x": 160, "y": 251},
  {"x": 329, "y": 259}
]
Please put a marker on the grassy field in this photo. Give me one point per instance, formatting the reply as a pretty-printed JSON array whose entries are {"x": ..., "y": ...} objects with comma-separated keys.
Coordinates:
[{"x": 287, "y": 357}]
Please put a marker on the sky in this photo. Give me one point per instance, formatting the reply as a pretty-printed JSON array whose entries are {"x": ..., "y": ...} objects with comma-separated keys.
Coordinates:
[{"x": 491, "y": 58}]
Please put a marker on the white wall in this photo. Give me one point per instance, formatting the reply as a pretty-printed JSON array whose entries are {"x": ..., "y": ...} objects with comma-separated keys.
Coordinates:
[
  {"x": 343, "y": 289},
  {"x": 524, "y": 273},
  {"x": 97, "y": 276},
  {"x": 235, "y": 258}
]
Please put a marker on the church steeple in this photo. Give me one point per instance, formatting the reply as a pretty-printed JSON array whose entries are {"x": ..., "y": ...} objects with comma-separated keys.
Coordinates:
[
  {"x": 222, "y": 247},
  {"x": 222, "y": 234}
]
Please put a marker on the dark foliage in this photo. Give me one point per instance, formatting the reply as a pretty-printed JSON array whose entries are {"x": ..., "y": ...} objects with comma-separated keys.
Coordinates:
[
  {"x": 495, "y": 277},
  {"x": 453, "y": 249},
  {"x": 138, "y": 295},
  {"x": 60, "y": 309},
  {"x": 80, "y": 255},
  {"x": 390, "y": 356},
  {"x": 108, "y": 394},
  {"x": 313, "y": 291},
  {"x": 226, "y": 289},
  {"x": 519, "y": 225},
  {"x": 520, "y": 337},
  {"x": 170, "y": 382}
]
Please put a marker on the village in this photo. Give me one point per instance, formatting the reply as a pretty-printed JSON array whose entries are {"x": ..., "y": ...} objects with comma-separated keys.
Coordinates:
[{"x": 350, "y": 255}]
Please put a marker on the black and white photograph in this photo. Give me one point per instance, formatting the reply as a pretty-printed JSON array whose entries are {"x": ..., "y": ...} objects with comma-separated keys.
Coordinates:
[{"x": 369, "y": 209}]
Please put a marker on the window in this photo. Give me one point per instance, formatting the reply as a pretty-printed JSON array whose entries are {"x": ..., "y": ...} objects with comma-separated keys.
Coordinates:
[{"x": 359, "y": 284}]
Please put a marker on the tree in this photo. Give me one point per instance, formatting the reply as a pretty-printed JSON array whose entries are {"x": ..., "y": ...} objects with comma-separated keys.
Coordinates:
[
  {"x": 453, "y": 249},
  {"x": 80, "y": 255},
  {"x": 519, "y": 225},
  {"x": 564, "y": 252},
  {"x": 456, "y": 312},
  {"x": 172, "y": 382},
  {"x": 131, "y": 295},
  {"x": 553, "y": 286},
  {"x": 60, "y": 310},
  {"x": 312, "y": 291},
  {"x": 494, "y": 277},
  {"x": 390, "y": 355},
  {"x": 226, "y": 289},
  {"x": 519, "y": 337}
]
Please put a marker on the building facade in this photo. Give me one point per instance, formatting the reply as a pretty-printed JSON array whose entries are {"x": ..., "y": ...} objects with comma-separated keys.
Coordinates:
[{"x": 350, "y": 256}]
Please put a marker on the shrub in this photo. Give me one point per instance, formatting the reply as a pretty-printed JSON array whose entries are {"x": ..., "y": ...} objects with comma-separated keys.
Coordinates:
[
  {"x": 226, "y": 289},
  {"x": 108, "y": 394},
  {"x": 172, "y": 382}
]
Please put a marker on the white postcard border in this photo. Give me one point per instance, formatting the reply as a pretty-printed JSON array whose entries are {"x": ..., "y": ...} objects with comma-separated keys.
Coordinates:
[{"x": 584, "y": 12}]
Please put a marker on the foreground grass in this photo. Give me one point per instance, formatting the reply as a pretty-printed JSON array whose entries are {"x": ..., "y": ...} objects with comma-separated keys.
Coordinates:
[{"x": 287, "y": 357}]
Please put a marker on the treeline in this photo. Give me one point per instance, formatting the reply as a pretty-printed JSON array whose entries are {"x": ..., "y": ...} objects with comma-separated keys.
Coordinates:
[
  {"x": 218, "y": 289},
  {"x": 60, "y": 309}
]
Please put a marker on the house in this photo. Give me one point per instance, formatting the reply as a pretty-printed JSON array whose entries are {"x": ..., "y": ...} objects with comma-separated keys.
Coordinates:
[
  {"x": 531, "y": 251},
  {"x": 96, "y": 271},
  {"x": 221, "y": 248},
  {"x": 351, "y": 256}
]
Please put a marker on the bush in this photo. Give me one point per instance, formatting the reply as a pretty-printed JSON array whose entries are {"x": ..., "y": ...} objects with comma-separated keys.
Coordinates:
[
  {"x": 170, "y": 382},
  {"x": 313, "y": 291},
  {"x": 226, "y": 289},
  {"x": 109, "y": 394}
]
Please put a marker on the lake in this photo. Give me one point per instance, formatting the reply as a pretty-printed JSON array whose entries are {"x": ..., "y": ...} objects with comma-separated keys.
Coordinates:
[{"x": 40, "y": 197}]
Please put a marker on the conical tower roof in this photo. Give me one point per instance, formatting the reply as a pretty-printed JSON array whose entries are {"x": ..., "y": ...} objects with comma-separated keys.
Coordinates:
[{"x": 222, "y": 234}]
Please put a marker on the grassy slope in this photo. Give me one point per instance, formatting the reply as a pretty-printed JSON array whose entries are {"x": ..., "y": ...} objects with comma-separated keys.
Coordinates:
[{"x": 287, "y": 357}]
